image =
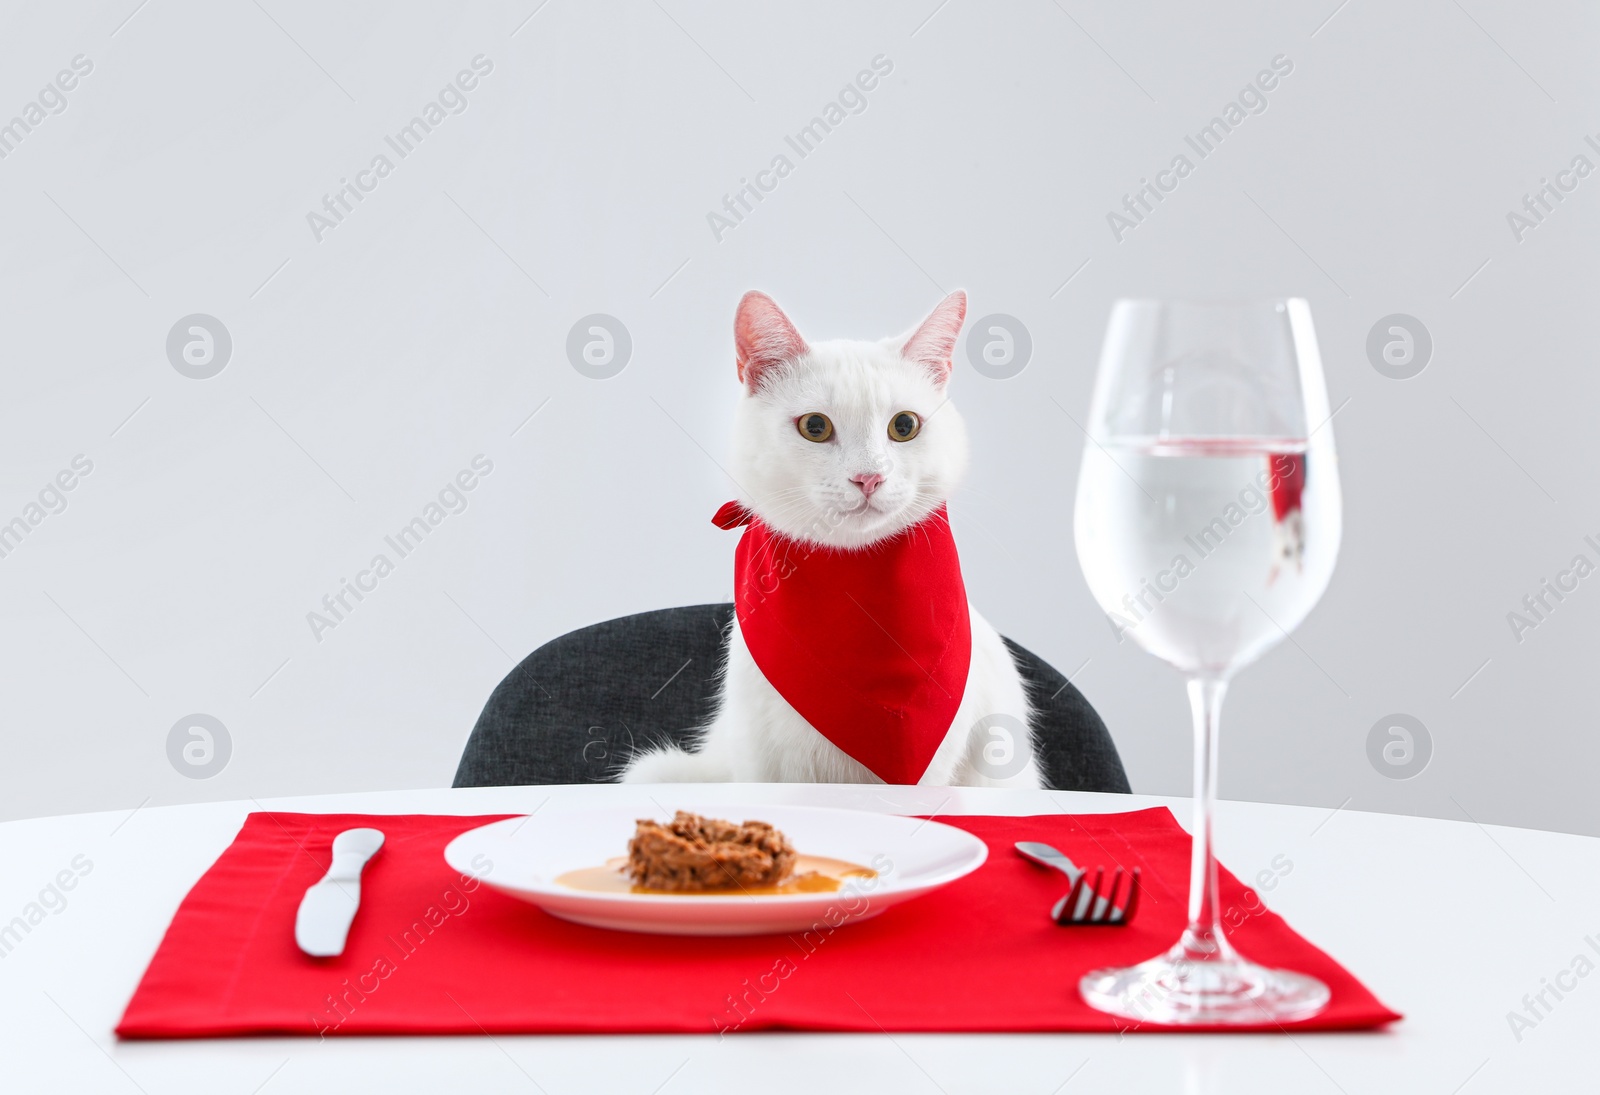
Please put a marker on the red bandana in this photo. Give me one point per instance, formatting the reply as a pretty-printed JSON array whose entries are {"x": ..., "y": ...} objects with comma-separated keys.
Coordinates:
[{"x": 871, "y": 647}]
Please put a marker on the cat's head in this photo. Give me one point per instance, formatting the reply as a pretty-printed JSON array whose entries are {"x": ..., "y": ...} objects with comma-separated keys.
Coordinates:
[{"x": 845, "y": 443}]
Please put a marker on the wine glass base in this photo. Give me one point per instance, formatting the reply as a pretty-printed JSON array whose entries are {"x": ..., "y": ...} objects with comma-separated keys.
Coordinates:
[{"x": 1216, "y": 992}]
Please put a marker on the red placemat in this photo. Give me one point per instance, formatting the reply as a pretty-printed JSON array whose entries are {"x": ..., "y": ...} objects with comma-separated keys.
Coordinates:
[{"x": 433, "y": 953}]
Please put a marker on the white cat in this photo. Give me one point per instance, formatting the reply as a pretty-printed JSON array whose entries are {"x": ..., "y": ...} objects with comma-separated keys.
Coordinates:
[{"x": 861, "y": 487}]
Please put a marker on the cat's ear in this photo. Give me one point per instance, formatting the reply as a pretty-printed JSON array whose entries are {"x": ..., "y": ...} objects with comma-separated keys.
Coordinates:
[
  {"x": 764, "y": 338},
  {"x": 933, "y": 343}
]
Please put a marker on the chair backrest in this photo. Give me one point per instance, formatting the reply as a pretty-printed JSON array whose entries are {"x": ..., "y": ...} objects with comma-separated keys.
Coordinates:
[{"x": 577, "y": 708}]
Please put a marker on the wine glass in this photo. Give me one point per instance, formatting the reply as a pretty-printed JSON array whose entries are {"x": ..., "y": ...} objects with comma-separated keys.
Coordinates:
[{"x": 1207, "y": 524}]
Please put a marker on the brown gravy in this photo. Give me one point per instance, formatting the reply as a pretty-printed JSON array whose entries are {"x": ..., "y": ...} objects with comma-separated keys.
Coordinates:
[{"x": 812, "y": 874}]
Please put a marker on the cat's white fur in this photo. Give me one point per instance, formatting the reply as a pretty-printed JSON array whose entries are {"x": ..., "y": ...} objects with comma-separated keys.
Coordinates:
[{"x": 804, "y": 490}]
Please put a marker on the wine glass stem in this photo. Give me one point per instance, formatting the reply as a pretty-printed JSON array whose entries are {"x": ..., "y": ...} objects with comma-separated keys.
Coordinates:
[{"x": 1203, "y": 939}]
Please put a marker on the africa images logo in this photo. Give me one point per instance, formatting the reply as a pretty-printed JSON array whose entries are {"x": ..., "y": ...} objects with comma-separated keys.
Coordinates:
[
  {"x": 1537, "y": 205},
  {"x": 452, "y": 99},
  {"x": 851, "y": 100},
  {"x": 452, "y": 499},
  {"x": 1143, "y": 199},
  {"x": 52, "y": 99}
]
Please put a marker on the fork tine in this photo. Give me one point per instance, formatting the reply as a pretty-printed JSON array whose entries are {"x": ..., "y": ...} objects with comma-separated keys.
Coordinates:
[
  {"x": 1132, "y": 903},
  {"x": 1109, "y": 912},
  {"x": 1093, "y": 903},
  {"x": 1069, "y": 906},
  {"x": 1130, "y": 896},
  {"x": 1067, "y": 909}
]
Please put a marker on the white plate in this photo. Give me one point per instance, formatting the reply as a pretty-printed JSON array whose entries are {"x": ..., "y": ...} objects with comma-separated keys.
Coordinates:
[{"x": 523, "y": 856}]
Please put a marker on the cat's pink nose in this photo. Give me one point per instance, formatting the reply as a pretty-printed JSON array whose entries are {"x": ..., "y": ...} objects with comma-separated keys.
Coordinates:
[{"x": 867, "y": 483}]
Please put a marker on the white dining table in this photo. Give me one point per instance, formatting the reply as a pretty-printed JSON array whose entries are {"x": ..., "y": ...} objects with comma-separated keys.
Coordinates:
[{"x": 1459, "y": 926}]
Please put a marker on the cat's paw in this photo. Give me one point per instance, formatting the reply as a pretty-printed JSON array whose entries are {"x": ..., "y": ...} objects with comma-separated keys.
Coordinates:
[{"x": 675, "y": 766}]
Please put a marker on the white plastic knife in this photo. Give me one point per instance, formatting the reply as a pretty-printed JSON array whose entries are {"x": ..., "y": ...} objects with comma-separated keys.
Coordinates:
[{"x": 330, "y": 905}]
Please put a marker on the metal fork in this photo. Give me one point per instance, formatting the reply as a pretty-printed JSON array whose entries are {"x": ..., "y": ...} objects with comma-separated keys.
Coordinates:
[{"x": 1086, "y": 903}]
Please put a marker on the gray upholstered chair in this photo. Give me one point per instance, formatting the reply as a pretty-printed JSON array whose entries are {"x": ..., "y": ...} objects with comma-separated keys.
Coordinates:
[{"x": 575, "y": 709}]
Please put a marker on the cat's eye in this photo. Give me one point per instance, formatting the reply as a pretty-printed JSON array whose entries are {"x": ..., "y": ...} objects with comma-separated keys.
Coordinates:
[
  {"x": 814, "y": 426},
  {"x": 904, "y": 426}
]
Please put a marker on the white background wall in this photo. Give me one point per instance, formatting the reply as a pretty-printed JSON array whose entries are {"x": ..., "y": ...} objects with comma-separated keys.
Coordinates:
[{"x": 369, "y": 368}]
